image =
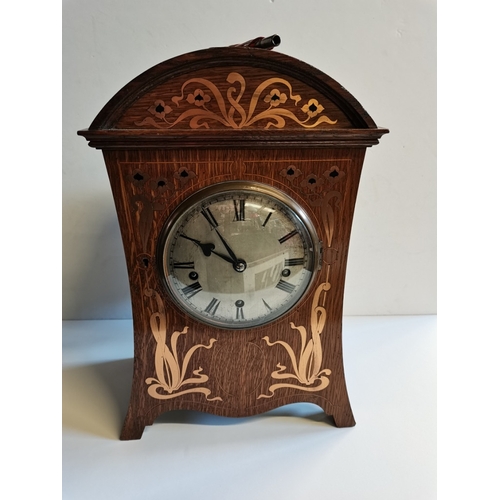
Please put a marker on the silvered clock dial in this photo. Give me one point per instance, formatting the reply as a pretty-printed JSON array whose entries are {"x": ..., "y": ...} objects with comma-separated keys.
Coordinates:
[{"x": 238, "y": 254}]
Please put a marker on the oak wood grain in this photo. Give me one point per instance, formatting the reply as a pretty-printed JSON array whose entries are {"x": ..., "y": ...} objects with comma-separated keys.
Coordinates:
[{"x": 154, "y": 167}]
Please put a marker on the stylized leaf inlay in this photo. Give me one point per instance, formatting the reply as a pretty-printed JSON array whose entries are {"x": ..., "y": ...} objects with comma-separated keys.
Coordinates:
[{"x": 228, "y": 110}]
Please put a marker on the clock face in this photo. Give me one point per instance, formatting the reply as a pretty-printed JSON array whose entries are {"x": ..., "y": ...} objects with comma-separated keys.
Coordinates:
[{"x": 238, "y": 254}]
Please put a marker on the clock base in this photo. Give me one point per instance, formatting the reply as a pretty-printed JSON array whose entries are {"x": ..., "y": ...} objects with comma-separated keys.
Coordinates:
[
  {"x": 132, "y": 429},
  {"x": 134, "y": 425},
  {"x": 343, "y": 417}
]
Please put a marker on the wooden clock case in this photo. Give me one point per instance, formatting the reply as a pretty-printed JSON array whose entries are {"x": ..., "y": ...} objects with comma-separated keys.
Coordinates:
[{"x": 233, "y": 113}]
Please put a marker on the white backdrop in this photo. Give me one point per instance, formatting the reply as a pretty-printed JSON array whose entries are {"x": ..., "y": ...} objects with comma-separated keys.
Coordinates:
[{"x": 382, "y": 51}]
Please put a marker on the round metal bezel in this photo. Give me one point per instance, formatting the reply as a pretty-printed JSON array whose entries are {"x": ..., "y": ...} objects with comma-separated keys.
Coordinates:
[{"x": 206, "y": 194}]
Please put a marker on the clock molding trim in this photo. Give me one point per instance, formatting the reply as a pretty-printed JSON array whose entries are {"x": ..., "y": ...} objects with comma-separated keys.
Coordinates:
[
  {"x": 116, "y": 124},
  {"x": 180, "y": 363}
]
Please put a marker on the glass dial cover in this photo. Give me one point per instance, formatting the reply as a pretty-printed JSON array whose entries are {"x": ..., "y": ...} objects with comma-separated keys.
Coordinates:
[{"x": 238, "y": 254}]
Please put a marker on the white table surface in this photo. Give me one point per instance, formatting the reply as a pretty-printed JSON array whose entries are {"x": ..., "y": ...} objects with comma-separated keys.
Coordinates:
[{"x": 288, "y": 453}]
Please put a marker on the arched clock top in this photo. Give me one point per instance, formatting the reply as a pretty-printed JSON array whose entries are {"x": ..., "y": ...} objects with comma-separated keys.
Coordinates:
[
  {"x": 235, "y": 173},
  {"x": 236, "y": 95}
]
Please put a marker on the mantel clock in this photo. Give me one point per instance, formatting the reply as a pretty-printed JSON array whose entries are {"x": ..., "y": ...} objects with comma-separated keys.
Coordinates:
[{"x": 234, "y": 173}]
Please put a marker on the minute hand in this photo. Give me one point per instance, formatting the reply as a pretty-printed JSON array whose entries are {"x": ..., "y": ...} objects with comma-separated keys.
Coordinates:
[{"x": 227, "y": 247}]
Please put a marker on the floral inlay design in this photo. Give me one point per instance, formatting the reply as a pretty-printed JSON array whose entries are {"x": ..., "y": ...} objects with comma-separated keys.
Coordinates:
[
  {"x": 198, "y": 98},
  {"x": 149, "y": 194},
  {"x": 312, "y": 183},
  {"x": 306, "y": 365},
  {"x": 184, "y": 174},
  {"x": 275, "y": 98},
  {"x": 144, "y": 212},
  {"x": 162, "y": 185},
  {"x": 159, "y": 109},
  {"x": 138, "y": 178},
  {"x": 333, "y": 174},
  {"x": 290, "y": 172},
  {"x": 170, "y": 369},
  {"x": 228, "y": 109},
  {"x": 327, "y": 214},
  {"x": 312, "y": 108}
]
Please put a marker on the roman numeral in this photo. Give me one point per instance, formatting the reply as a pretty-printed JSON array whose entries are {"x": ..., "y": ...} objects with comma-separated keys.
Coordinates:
[
  {"x": 294, "y": 262},
  {"x": 239, "y": 210},
  {"x": 286, "y": 287},
  {"x": 191, "y": 290},
  {"x": 267, "y": 219},
  {"x": 210, "y": 218},
  {"x": 268, "y": 307},
  {"x": 288, "y": 236},
  {"x": 183, "y": 265},
  {"x": 212, "y": 306}
]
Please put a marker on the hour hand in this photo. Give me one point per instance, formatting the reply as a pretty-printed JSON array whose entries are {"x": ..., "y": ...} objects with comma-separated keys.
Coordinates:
[{"x": 208, "y": 249}]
